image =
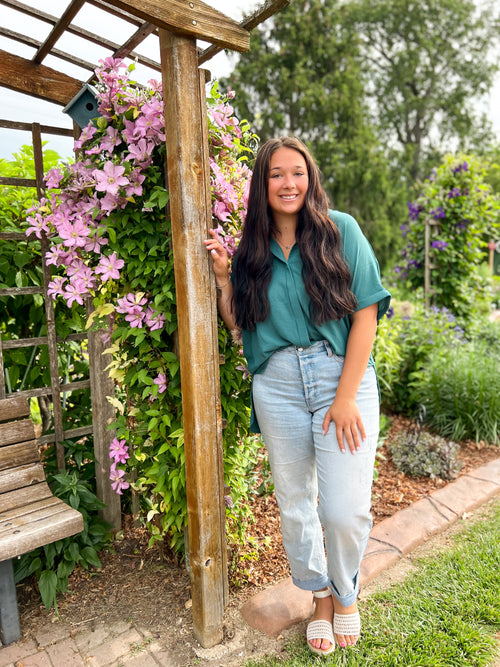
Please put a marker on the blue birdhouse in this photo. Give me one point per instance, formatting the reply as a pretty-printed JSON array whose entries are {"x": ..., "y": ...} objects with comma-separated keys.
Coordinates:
[{"x": 83, "y": 107}]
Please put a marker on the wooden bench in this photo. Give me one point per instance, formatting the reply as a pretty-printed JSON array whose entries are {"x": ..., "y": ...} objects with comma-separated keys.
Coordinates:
[{"x": 30, "y": 515}]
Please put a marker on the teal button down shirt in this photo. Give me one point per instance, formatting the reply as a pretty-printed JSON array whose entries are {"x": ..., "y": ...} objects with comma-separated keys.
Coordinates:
[{"x": 289, "y": 321}]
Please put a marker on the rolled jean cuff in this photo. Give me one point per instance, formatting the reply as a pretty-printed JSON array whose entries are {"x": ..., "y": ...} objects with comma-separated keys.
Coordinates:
[
  {"x": 350, "y": 598},
  {"x": 317, "y": 584}
]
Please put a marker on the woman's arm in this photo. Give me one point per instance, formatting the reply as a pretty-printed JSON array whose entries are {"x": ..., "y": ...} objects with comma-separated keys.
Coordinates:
[
  {"x": 222, "y": 280},
  {"x": 344, "y": 411}
]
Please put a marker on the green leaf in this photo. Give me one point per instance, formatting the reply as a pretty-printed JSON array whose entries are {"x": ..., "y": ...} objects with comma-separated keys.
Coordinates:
[{"x": 47, "y": 585}]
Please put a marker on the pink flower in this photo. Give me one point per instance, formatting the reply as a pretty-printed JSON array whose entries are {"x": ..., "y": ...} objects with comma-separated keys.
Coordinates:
[
  {"x": 131, "y": 306},
  {"x": 118, "y": 450},
  {"x": 110, "y": 267},
  {"x": 74, "y": 234},
  {"x": 56, "y": 287},
  {"x": 57, "y": 256},
  {"x": 110, "y": 179},
  {"x": 112, "y": 64},
  {"x": 153, "y": 319},
  {"x": 141, "y": 152},
  {"x": 87, "y": 133},
  {"x": 136, "y": 180},
  {"x": 220, "y": 211},
  {"x": 38, "y": 225},
  {"x": 116, "y": 475},
  {"x": 75, "y": 291},
  {"x": 161, "y": 381},
  {"x": 52, "y": 178},
  {"x": 94, "y": 243},
  {"x": 111, "y": 140}
]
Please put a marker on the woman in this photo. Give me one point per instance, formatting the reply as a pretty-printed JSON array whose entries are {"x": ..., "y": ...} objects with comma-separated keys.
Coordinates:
[{"x": 305, "y": 291}]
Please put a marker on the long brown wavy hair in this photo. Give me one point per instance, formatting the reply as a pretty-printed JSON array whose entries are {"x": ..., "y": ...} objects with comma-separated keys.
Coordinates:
[{"x": 326, "y": 275}]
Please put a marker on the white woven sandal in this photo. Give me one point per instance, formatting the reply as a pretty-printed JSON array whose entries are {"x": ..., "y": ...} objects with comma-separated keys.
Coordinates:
[
  {"x": 320, "y": 629},
  {"x": 347, "y": 624}
]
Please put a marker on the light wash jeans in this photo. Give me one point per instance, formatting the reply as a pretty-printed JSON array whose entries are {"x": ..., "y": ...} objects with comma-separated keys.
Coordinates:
[{"x": 317, "y": 486}]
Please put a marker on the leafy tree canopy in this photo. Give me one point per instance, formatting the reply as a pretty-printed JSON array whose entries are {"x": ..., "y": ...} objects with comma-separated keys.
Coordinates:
[
  {"x": 427, "y": 66},
  {"x": 302, "y": 77}
]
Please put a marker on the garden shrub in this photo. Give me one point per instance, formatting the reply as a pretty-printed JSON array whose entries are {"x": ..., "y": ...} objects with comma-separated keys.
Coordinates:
[
  {"x": 431, "y": 456},
  {"x": 405, "y": 338},
  {"x": 111, "y": 242},
  {"x": 460, "y": 389},
  {"x": 457, "y": 198}
]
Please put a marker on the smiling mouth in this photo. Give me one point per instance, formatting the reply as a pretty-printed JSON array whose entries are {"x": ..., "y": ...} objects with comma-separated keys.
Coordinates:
[{"x": 288, "y": 197}]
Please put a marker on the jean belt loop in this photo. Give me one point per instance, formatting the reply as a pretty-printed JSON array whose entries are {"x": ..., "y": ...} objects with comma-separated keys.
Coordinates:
[{"x": 328, "y": 348}]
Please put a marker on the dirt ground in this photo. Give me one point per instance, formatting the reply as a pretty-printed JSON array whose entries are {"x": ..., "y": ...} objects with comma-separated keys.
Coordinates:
[{"x": 135, "y": 585}]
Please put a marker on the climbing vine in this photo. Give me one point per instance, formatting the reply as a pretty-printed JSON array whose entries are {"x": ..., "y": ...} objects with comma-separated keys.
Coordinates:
[{"x": 110, "y": 237}]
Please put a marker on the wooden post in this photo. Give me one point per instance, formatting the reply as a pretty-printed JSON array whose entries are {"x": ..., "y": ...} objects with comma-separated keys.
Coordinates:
[
  {"x": 103, "y": 413},
  {"x": 187, "y": 168},
  {"x": 427, "y": 262}
]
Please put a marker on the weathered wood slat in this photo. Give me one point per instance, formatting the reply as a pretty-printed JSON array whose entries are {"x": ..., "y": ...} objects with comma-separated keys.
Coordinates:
[
  {"x": 12, "y": 500},
  {"x": 32, "y": 510},
  {"x": 40, "y": 81},
  {"x": 19, "y": 182},
  {"x": 36, "y": 43},
  {"x": 34, "y": 530},
  {"x": 40, "y": 340},
  {"x": 19, "y": 431},
  {"x": 269, "y": 8},
  {"x": 14, "y": 408},
  {"x": 20, "y": 476},
  {"x": 195, "y": 19},
  {"x": 46, "y": 129},
  {"x": 21, "y": 453},
  {"x": 21, "y": 291},
  {"x": 71, "y": 11}
]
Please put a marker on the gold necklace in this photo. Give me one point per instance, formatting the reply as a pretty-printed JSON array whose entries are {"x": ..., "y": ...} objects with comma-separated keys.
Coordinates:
[{"x": 286, "y": 247}]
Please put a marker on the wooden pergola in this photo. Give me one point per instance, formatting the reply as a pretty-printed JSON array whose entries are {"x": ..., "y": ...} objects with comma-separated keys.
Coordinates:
[{"x": 178, "y": 24}]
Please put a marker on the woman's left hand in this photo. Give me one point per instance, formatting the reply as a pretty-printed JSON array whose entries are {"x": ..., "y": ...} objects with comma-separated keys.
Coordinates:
[{"x": 348, "y": 423}]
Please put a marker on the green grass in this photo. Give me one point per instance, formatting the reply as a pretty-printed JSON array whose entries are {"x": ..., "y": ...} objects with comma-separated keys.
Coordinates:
[{"x": 444, "y": 615}]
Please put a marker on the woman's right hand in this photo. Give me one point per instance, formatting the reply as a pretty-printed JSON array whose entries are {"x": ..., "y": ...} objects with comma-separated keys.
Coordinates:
[{"x": 219, "y": 256}]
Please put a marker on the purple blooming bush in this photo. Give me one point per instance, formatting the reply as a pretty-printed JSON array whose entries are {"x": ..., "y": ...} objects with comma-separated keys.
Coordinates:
[
  {"x": 464, "y": 215},
  {"x": 110, "y": 242}
]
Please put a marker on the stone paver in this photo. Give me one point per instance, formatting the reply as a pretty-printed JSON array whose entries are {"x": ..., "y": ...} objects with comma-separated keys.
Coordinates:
[
  {"x": 65, "y": 653},
  {"x": 115, "y": 648},
  {"x": 270, "y": 611}
]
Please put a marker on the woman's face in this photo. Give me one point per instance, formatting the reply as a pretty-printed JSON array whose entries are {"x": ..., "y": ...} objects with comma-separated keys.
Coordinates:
[{"x": 288, "y": 181}]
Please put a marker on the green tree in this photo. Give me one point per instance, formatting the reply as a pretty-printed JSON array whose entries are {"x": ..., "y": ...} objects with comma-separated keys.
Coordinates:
[
  {"x": 302, "y": 77},
  {"x": 427, "y": 65}
]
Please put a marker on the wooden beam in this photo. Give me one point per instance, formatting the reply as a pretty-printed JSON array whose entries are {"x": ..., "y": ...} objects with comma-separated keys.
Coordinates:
[
  {"x": 36, "y": 43},
  {"x": 193, "y": 18},
  {"x": 56, "y": 32},
  {"x": 40, "y": 81},
  {"x": 139, "y": 36},
  {"x": 261, "y": 14},
  {"x": 81, "y": 32},
  {"x": 189, "y": 186}
]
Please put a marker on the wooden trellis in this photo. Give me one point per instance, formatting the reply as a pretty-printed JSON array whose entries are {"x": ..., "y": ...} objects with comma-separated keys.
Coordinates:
[
  {"x": 178, "y": 23},
  {"x": 99, "y": 383}
]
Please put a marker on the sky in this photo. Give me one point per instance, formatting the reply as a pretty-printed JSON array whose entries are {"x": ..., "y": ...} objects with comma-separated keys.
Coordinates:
[{"x": 19, "y": 107}]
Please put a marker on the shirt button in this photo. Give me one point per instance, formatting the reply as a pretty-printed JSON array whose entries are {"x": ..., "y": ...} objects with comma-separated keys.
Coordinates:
[{"x": 300, "y": 349}]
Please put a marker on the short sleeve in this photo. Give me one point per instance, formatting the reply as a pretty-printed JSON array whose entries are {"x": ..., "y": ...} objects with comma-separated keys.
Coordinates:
[{"x": 358, "y": 253}]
